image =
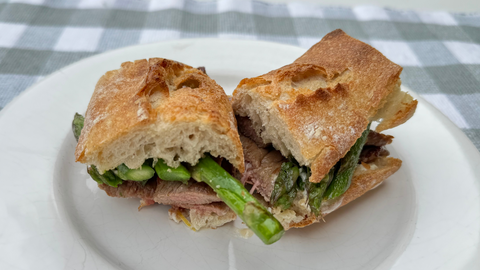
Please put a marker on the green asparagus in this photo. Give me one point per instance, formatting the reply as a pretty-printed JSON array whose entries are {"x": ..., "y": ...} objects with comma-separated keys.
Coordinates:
[
  {"x": 348, "y": 163},
  {"x": 316, "y": 191},
  {"x": 304, "y": 174},
  {"x": 172, "y": 174},
  {"x": 77, "y": 125},
  {"x": 286, "y": 200},
  {"x": 108, "y": 178},
  {"x": 234, "y": 194},
  {"x": 284, "y": 184},
  {"x": 143, "y": 173}
]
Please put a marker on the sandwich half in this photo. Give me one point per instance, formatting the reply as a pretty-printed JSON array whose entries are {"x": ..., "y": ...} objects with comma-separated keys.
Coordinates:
[
  {"x": 165, "y": 132},
  {"x": 306, "y": 128}
]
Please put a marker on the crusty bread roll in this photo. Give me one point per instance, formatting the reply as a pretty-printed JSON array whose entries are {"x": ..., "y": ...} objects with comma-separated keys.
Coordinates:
[
  {"x": 157, "y": 108},
  {"x": 318, "y": 106}
]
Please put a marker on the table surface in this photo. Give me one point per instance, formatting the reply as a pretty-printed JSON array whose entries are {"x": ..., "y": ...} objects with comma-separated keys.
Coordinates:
[{"x": 439, "y": 51}]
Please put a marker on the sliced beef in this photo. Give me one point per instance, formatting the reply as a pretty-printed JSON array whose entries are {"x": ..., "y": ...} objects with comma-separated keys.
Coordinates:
[
  {"x": 165, "y": 192},
  {"x": 252, "y": 153},
  {"x": 204, "y": 207},
  {"x": 267, "y": 173},
  {"x": 131, "y": 189},
  {"x": 261, "y": 167},
  {"x": 370, "y": 153},
  {"x": 374, "y": 147},
  {"x": 245, "y": 127},
  {"x": 177, "y": 193},
  {"x": 378, "y": 139}
]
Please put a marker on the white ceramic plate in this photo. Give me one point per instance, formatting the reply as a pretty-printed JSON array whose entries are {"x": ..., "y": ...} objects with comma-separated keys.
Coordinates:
[{"x": 52, "y": 215}]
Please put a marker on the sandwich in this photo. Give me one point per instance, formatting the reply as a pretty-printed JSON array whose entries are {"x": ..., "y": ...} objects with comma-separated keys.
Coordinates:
[
  {"x": 165, "y": 132},
  {"x": 310, "y": 130}
]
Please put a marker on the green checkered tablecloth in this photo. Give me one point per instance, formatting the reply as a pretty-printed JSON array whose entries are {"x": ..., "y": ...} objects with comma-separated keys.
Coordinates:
[{"x": 440, "y": 51}]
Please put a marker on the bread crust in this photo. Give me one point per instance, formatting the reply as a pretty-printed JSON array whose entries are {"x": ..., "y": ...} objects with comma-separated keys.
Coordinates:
[
  {"x": 322, "y": 102},
  {"x": 150, "y": 92},
  {"x": 362, "y": 182}
]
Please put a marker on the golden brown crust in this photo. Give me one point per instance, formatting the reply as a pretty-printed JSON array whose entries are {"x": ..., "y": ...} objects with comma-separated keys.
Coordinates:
[
  {"x": 369, "y": 179},
  {"x": 325, "y": 99},
  {"x": 108, "y": 107},
  {"x": 309, "y": 220},
  {"x": 362, "y": 182},
  {"x": 145, "y": 92}
]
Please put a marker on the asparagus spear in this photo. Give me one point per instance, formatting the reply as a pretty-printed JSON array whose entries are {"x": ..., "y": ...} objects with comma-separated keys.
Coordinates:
[
  {"x": 316, "y": 191},
  {"x": 143, "y": 173},
  {"x": 234, "y": 194},
  {"x": 172, "y": 174},
  {"x": 108, "y": 178},
  {"x": 348, "y": 163},
  {"x": 77, "y": 125},
  {"x": 286, "y": 200},
  {"x": 284, "y": 189},
  {"x": 304, "y": 174}
]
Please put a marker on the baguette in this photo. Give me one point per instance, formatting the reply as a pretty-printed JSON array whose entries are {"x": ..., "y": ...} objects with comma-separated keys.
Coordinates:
[
  {"x": 165, "y": 132},
  {"x": 313, "y": 112},
  {"x": 157, "y": 108},
  {"x": 317, "y": 107}
]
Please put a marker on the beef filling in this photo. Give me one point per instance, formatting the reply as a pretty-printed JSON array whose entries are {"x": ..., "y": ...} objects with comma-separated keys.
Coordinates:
[
  {"x": 370, "y": 153},
  {"x": 262, "y": 162},
  {"x": 374, "y": 147},
  {"x": 245, "y": 127},
  {"x": 195, "y": 195},
  {"x": 378, "y": 139},
  {"x": 192, "y": 196}
]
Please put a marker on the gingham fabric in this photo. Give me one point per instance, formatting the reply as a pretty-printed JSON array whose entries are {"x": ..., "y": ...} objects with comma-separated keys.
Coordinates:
[{"x": 440, "y": 51}]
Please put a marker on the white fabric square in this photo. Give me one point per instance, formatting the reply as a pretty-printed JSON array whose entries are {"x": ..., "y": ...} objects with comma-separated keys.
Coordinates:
[
  {"x": 466, "y": 53},
  {"x": 441, "y": 102},
  {"x": 31, "y": 2},
  {"x": 397, "y": 51},
  {"x": 370, "y": 13},
  {"x": 304, "y": 10},
  {"x": 149, "y": 36},
  {"x": 95, "y": 4},
  {"x": 156, "y": 5},
  {"x": 74, "y": 39},
  {"x": 443, "y": 18},
  {"x": 234, "y": 5},
  {"x": 10, "y": 33},
  {"x": 267, "y": 9}
]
